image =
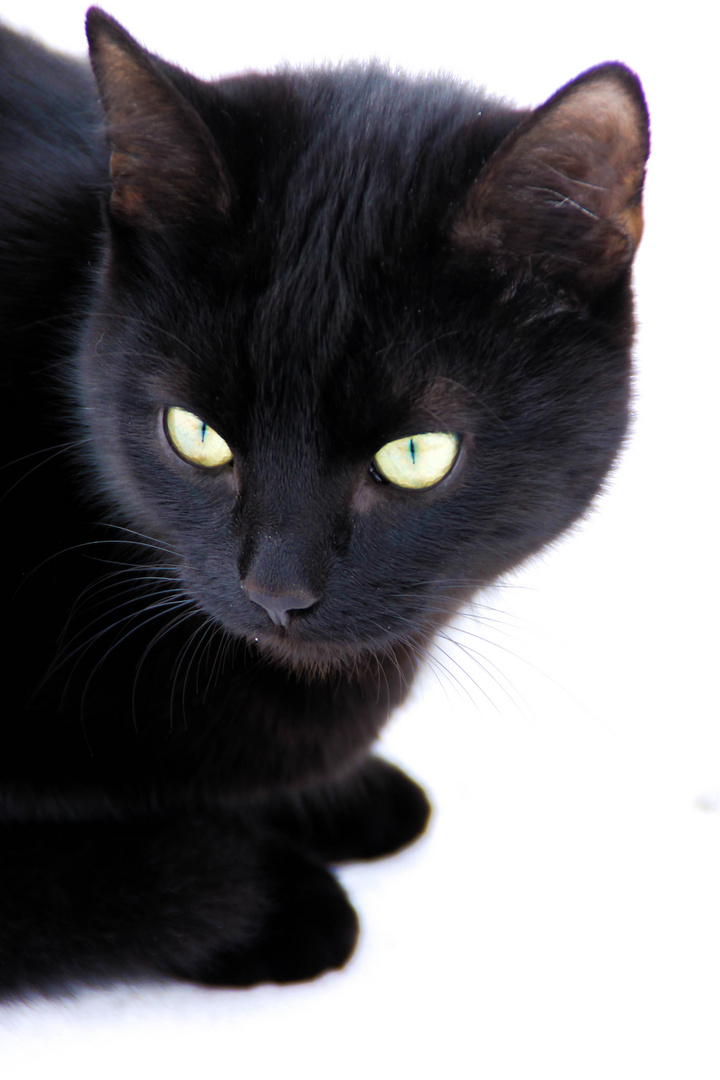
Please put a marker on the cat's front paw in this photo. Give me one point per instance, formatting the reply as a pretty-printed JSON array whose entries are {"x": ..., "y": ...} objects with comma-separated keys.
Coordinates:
[
  {"x": 376, "y": 811},
  {"x": 310, "y": 928}
]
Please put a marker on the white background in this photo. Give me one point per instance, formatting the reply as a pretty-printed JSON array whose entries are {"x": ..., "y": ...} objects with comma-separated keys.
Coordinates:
[{"x": 562, "y": 917}]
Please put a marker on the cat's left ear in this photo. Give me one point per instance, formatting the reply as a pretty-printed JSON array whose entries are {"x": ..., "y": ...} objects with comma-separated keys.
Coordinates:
[
  {"x": 164, "y": 165},
  {"x": 561, "y": 196}
]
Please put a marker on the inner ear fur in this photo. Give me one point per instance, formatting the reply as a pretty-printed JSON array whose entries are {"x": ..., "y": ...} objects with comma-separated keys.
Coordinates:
[
  {"x": 164, "y": 166},
  {"x": 562, "y": 195}
]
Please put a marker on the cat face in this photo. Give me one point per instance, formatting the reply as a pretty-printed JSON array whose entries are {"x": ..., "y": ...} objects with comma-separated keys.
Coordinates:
[{"x": 348, "y": 359}]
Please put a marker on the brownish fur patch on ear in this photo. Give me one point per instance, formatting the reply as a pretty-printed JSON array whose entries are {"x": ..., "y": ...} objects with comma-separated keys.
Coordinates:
[
  {"x": 164, "y": 164},
  {"x": 562, "y": 194}
]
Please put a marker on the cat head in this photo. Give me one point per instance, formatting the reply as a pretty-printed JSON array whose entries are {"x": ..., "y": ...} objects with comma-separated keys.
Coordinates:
[{"x": 360, "y": 342}]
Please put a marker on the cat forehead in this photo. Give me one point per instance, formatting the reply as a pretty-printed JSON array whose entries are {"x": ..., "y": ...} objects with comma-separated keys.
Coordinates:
[
  {"x": 338, "y": 223},
  {"x": 356, "y": 105},
  {"x": 355, "y": 147}
]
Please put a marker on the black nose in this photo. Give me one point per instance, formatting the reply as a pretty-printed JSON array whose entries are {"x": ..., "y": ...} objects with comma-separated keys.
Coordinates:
[{"x": 281, "y": 606}]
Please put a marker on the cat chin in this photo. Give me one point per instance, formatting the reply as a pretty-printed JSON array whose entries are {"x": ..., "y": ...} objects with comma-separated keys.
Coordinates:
[{"x": 321, "y": 660}]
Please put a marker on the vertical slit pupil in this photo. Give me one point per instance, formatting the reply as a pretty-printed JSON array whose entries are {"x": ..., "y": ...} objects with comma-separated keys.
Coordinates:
[{"x": 412, "y": 451}]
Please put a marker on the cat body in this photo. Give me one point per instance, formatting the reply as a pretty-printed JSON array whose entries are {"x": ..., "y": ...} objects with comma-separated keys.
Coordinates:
[{"x": 295, "y": 364}]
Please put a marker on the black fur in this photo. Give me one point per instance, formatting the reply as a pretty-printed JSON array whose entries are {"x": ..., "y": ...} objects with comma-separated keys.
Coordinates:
[{"x": 199, "y": 660}]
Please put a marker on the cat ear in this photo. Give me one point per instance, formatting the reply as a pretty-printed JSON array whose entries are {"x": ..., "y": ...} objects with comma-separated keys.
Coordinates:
[
  {"x": 164, "y": 165},
  {"x": 561, "y": 196}
]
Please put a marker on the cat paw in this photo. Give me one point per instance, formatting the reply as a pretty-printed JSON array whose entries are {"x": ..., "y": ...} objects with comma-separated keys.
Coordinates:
[
  {"x": 310, "y": 928},
  {"x": 376, "y": 811}
]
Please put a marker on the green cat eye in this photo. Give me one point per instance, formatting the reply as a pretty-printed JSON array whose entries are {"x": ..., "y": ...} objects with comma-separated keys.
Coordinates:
[
  {"x": 418, "y": 461},
  {"x": 195, "y": 440}
]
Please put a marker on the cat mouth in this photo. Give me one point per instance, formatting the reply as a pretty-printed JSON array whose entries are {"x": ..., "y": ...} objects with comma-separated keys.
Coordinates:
[
  {"x": 280, "y": 644},
  {"x": 316, "y": 658}
]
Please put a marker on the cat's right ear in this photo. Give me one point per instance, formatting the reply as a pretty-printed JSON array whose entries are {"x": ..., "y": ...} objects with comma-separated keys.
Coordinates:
[{"x": 164, "y": 166}]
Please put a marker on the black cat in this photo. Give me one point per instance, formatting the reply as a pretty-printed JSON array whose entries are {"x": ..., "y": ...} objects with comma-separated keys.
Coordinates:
[{"x": 326, "y": 352}]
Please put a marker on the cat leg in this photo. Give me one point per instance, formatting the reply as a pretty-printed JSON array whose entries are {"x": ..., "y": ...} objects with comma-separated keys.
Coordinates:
[
  {"x": 375, "y": 811},
  {"x": 309, "y": 927},
  {"x": 198, "y": 898}
]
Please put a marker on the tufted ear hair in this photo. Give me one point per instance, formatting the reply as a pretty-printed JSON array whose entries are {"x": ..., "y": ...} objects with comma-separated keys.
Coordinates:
[
  {"x": 164, "y": 166},
  {"x": 561, "y": 196}
]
